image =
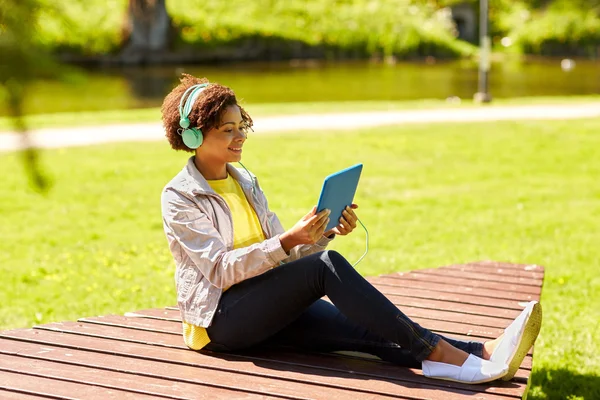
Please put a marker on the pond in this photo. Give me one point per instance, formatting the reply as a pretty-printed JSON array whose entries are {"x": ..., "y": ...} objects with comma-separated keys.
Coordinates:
[{"x": 309, "y": 81}]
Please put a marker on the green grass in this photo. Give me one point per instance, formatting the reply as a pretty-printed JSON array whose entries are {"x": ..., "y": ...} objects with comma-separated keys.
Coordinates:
[
  {"x": 430, "y": 195},
  {"x": 267, "y": 109}
]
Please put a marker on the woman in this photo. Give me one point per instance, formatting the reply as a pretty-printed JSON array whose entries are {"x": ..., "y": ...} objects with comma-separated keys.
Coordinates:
[{"x": 243, "y": 280}]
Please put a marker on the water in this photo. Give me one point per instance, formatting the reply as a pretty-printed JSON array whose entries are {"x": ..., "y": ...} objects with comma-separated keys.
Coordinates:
[{"x": 112, "y": 89}]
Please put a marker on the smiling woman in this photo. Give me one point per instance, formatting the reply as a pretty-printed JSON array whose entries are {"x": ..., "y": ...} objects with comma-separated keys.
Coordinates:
[
  {"x": 203, "y": 104},
  {"x": 243, "y": 280}
]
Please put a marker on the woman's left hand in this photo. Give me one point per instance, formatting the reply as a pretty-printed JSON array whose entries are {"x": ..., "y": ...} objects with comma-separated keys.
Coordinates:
[{"x": 347, "y": 222}]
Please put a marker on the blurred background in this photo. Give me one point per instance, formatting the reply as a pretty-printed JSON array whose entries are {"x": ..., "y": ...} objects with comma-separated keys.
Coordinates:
[
  {"x": 80, "y": 226},
  {"x": 129, "y": 53}
]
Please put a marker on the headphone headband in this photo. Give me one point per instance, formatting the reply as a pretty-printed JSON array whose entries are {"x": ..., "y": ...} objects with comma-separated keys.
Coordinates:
[
  {"x": 193, "y": 91},
  {"x": 192, "y": 137}
]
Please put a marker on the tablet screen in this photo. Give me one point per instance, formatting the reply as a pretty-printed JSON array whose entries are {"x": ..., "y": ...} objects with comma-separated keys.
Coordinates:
[{"x": 338, "y": 192}]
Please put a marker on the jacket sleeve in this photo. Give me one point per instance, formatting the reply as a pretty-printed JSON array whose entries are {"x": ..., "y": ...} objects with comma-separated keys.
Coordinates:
[
  {"x": 300, "y": 250},
  {"x": 202, "y": 243}
]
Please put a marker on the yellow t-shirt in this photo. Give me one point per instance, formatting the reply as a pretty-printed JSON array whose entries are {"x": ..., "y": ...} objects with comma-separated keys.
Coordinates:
[{"x": 246, "y": 231}]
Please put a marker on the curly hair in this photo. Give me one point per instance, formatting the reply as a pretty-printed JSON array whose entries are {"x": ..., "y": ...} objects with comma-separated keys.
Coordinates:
[{"x": 206, "y": 112}]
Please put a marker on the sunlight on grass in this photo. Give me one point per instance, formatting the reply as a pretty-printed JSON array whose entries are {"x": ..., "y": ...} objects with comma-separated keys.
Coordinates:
[{"x": 429, "y": 195}]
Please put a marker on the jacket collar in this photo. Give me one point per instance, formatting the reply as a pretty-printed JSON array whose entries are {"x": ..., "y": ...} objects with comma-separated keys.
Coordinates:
[{"x": 194, "y": 182}]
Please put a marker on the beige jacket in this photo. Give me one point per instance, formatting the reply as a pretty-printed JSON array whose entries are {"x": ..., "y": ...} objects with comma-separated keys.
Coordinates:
[{"x": 199, "y": 229}]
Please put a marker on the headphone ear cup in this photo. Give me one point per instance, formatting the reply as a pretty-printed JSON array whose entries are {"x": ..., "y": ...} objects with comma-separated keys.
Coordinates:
[{"x": 192, "y": 137}]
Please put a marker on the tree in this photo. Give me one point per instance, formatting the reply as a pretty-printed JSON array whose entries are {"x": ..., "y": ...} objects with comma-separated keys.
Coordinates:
[{"x": 148, "y": 31}]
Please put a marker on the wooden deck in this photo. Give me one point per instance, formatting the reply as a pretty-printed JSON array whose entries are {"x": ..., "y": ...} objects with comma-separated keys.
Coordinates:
[{"x": 142, "y": 355}]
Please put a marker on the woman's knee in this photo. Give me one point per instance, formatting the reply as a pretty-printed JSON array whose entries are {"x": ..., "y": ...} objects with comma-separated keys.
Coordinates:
[
  {"x": 334, "y": 256},
  {"x": 334, "y": 260},
  {"x": 324, "y": 262}
]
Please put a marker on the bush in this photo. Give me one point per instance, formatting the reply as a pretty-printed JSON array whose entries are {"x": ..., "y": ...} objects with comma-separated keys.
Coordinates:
[
  {"x": 329, "y": 28},
  {"x": 560, "y": 32},
  {"x": 366, "y": 27},
  {"x": 561, "y": 27}
]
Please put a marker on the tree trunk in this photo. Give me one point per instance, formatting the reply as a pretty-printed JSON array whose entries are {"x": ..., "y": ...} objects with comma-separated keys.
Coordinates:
[{"x": 147, "y": 31}]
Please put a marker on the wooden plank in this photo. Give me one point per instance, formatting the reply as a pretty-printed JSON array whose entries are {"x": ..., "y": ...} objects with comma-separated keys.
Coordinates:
[
  {"x": 122, "y": 381},
  {"x": 466, "y": 283},
  {"x": 130, "y": 335},
  {"x": 498, "y": 271},
  {"x": 503, "y": 314},
  {"x": 145, "y": 324},
  {"x": 484, "y": 276},
  {"x": 457, "y": 295},
  {"x": 9, "y": 395},
  {"x": 164, "y": 314},
  {"x": 320, "y": 369},
  {"x": 508, "y": 266},
  {"x": 47, "y": 387},
  {"x": 483, "y": 295},
  {"x": 206, "y": 376}
]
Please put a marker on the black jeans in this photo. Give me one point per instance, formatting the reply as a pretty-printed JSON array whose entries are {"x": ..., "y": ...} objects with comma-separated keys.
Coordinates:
[{"x": 284, "y": 307}]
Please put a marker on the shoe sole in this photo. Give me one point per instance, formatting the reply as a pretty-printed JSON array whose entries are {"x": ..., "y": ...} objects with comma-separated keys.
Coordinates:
[
  {"x": 530, "y": 333},
  {"x": 471, "y": 383}
]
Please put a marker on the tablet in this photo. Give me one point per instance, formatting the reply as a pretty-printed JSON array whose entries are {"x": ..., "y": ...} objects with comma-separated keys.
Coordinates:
[{"x": 338, "y": 192}]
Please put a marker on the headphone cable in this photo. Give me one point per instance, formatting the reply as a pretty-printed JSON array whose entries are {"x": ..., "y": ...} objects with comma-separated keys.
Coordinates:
[{"x": 366, "y": 242}]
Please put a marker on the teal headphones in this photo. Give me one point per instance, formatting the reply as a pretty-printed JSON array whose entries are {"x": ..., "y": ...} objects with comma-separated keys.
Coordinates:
[{"x": 192, "y": 137}]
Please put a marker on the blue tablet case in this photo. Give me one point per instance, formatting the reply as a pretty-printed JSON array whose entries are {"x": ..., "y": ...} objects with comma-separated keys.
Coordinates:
[{"x": 338, "y": 192}]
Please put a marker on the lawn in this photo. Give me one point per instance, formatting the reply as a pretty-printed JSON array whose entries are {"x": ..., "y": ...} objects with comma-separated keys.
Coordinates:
[{"x": 430, "y": 195}]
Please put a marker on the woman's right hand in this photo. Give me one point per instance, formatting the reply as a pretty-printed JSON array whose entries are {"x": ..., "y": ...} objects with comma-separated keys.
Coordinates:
[{"x": 306, "y": 231}]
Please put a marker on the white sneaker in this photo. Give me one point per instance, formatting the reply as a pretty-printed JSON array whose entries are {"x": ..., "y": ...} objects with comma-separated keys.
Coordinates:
[
  {"x": 474, "y": 370},
  {"x": 518, "y": 339}
]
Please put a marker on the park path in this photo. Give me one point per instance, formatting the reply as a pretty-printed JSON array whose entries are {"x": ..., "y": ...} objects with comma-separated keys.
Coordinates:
[{"x": 87, "y": 135}]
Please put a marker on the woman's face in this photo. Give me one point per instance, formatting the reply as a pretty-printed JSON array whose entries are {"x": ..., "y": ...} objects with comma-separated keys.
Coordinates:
[{"x": 223, "y": 143}]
